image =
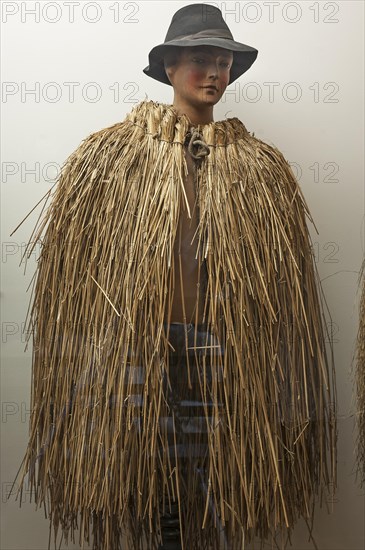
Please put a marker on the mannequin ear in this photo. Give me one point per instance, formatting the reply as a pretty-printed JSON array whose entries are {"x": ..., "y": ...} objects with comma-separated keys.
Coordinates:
[
  {"x": 169, "y": 72},
  {"x": 170, "y": 60}
]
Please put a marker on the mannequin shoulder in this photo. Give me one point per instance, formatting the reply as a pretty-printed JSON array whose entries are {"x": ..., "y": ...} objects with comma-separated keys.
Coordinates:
[
  {"x": 109, "y": 134},
  {"x": 267, "y": 151},
  {"x": 254, "y": 146},
  {"x": 102, "y": 144}
]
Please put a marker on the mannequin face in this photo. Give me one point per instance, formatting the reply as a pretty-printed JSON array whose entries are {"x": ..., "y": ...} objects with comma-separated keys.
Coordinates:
[{"x": 200, "y": 75}]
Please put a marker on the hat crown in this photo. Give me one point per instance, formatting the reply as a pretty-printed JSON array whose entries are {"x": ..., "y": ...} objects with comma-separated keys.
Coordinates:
[{"x": 194, "y": 19}]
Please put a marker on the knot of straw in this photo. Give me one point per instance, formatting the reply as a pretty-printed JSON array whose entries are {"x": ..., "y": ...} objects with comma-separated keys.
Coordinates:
[{"x": 196, "y": 140}]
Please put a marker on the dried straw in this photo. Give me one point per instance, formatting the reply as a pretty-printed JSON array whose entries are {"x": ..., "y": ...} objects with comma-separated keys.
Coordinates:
[{"x": 96, "y": 458}]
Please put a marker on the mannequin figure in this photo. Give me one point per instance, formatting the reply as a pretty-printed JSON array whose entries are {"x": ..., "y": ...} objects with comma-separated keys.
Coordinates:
[{"x": 182, "y": 395}]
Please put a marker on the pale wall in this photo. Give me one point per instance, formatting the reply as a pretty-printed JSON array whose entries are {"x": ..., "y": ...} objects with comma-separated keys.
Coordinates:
[{"x": 321, "y": 53}]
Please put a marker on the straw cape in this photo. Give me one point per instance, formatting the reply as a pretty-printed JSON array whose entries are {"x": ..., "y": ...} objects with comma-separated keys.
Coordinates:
[{"x": 95, "y": 459}]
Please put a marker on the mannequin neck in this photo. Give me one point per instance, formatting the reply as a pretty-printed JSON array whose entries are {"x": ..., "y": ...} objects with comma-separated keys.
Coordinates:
[{"x": 197, "y": 115}]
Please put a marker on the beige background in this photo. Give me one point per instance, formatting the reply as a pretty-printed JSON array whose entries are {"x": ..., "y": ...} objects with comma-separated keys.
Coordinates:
[{"x": 313, "y": 49}]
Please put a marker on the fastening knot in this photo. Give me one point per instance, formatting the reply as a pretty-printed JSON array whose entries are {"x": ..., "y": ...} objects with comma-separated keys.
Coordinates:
[{"x": 197, "y": 146}]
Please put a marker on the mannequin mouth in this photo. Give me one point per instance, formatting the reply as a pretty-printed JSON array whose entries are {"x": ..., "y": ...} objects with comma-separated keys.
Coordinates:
[{"x": 211, "y": 87}]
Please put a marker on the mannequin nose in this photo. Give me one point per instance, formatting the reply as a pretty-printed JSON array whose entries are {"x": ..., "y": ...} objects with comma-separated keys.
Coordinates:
[{"x": 213, "y": 70}]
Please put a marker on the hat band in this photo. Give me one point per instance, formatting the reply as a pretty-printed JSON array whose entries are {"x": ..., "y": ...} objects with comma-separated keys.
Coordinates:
[{"x": 206, "y": 33}]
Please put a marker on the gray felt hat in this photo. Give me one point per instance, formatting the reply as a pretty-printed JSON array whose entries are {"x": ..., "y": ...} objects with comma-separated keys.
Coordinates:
[{"x": 200, "y": 25}]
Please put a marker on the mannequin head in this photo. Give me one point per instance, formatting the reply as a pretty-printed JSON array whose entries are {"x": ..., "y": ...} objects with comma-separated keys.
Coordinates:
[
  {"x": 199, "y": 76},
  {"x": 199, "y": 25}
]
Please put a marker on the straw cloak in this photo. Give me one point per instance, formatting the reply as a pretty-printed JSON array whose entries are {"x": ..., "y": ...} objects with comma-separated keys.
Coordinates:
[{"x": 95, "y": 457}]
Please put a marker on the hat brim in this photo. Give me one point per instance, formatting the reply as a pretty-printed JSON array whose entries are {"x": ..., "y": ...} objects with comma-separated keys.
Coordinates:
[{"x": 243, "y": 56}]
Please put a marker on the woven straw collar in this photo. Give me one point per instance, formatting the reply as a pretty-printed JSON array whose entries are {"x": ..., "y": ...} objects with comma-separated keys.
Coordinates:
[{"x": 164, "y": 123}]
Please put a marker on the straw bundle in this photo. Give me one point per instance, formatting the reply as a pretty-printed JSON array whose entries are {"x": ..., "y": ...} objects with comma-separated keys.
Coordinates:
[
  {"x": 360, "y": 381},
  {"x": 95, "y": 456}
]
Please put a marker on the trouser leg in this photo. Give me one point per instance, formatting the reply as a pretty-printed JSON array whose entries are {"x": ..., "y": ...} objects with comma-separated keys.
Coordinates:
[
  {"x": 190, "y": 411},
  {"x": 170, "y": 529},
  {"x": 169, "y": 517}
]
